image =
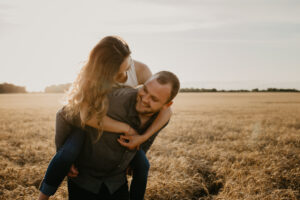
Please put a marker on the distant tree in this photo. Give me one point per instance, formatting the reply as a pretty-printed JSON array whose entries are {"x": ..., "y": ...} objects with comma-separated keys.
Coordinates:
[
  {"x": 61, "y": 88},
  {"x": 11, "y": 88},
  {"x": 272, "y": 90},
  {"x": 198, "y": 90},
  {"x": 281, "y": 90},
  {"x": 241, "y": 90}
]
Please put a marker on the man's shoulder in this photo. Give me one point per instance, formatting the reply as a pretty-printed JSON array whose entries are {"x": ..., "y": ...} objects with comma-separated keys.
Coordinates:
[
  {"x": 121, "y": 97},
  {"x": 122, "y": 91},
  {"x": 121, "y": 101}
]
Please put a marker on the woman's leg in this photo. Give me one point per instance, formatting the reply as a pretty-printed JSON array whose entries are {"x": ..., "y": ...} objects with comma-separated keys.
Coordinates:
[
  {"x": 60, "y": 164},
  {"x": 140, "y": 166}
]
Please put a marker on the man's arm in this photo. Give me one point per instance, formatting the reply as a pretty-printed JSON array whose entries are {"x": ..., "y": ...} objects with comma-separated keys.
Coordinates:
[{"x": 146, "y": 145}]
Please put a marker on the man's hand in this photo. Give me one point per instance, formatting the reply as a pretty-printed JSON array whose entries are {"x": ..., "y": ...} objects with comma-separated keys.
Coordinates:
[
  {"x": 131, "y": 141},
  {"x": 73, "y": 172}
]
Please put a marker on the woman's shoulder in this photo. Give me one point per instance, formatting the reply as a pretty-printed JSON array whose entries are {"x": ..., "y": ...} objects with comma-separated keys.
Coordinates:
[{"x": 143, "y": 72}]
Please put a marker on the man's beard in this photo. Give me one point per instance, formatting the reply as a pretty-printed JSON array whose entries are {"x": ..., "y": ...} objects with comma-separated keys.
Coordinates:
[
  {"x": 148, "y": 112},
  {"x": 145, "y": 112}
]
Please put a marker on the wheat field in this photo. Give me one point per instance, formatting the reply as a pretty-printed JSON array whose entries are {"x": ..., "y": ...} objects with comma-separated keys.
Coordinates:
[{"x": 216, "y": 146}]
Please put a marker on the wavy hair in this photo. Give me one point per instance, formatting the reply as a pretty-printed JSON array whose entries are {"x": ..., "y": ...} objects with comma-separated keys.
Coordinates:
[{"x": 96, "y": 79}]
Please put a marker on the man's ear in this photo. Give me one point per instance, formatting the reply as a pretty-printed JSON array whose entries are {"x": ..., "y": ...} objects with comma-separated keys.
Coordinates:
[{"x": 169, "y": 104}]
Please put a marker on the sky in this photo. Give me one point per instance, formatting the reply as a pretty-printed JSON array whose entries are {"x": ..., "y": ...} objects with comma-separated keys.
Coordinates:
[{"x": 223, "y": 44}]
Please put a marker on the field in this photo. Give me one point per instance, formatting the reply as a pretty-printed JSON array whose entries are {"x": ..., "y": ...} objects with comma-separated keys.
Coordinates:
[{"x": 217, "y": 146}]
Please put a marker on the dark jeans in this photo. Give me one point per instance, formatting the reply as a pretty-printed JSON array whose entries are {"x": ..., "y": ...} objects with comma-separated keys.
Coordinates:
[
  {"x": 140, "y": 166},
  {"x": 77, "y": 193},
  {"x": 60, "y": 165}
]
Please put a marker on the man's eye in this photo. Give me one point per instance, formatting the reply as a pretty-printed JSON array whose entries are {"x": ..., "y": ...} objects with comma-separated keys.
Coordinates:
[{"x": 154, "y": 99}]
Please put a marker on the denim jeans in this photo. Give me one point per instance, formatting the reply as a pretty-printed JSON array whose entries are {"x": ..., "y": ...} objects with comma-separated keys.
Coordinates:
[
  {"x": 60, "y": 165},
  {"x": 140, "y": 166}
]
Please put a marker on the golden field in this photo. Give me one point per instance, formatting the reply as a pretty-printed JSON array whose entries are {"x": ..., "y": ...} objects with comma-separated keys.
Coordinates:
[{"x": 217, "y": 146}]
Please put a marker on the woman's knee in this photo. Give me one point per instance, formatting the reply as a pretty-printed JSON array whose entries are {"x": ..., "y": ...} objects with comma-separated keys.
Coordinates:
[
  {"x": 68, "y": 155},
  {"x": 71, "y": 148}
]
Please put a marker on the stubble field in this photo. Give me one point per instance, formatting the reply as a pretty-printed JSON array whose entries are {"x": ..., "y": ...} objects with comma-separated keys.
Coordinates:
[{"x": 217, "y": 146}]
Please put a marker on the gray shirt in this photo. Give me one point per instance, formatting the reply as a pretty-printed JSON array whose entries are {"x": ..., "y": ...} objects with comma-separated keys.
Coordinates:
[{"x": 105, "y": 161}]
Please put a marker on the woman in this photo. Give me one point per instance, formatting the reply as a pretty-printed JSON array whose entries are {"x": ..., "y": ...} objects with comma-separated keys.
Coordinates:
[{"x": 109, "y": 64}]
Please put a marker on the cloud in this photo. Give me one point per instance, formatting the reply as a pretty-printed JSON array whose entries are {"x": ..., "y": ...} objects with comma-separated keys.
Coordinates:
[
  {"x": 45, "y": 33},
  {"x": 5, "y": 24}
]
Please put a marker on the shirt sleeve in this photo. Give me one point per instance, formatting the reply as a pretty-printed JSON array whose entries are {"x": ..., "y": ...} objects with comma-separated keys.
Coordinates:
[{"x": 146, "y": 145}]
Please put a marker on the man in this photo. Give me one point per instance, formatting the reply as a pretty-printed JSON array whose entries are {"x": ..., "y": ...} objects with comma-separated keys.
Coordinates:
[{"x": 102, "y": 163}]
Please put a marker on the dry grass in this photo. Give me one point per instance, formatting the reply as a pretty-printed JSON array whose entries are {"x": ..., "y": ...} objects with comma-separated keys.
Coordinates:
[{"x": 217, "y": 146}]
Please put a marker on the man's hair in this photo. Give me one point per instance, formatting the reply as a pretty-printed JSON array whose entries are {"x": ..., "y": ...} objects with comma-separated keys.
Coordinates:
[{"x": 166, "y": 77}]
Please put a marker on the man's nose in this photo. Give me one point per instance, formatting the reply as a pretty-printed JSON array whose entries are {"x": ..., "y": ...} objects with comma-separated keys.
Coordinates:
[{"x": 146, "y": 99}]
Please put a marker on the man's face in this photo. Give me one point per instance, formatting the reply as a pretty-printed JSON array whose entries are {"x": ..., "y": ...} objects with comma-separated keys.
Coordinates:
[{"x": 153, "y": 97}]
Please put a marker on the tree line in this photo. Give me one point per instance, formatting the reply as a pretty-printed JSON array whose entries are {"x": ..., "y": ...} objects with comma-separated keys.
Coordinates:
[
  {"x": 61, "y": 88},
  {"x": 11, "y": 88},
  {"x": 64, "y": 87},
  {"x": 241, "y": 90}
]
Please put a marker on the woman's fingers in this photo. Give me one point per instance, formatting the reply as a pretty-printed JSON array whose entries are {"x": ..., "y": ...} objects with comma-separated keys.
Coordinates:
[
  {"x": 122, "y": 142},
  {"x": 125, "y": 136}
]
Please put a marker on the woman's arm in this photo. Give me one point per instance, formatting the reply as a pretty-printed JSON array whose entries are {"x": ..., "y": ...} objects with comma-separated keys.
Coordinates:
[
  {"x": 143, "y": 72},
  {"x": 109, "y": 124}
]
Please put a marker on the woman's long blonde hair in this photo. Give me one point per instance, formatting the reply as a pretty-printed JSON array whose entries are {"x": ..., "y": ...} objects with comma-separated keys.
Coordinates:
[{"x": 96, "y": 79}]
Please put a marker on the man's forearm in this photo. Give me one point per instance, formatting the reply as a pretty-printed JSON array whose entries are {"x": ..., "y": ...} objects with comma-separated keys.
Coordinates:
[
  {"x": 161, "y": 120},
  {"x": 147, "y": 144}
]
